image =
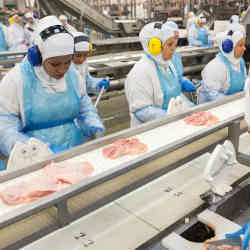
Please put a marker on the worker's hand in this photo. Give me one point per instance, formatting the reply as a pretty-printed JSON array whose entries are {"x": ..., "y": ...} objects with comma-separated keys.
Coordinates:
[
  {"x": 104, "y": 83},
  {"x": 210, "y": 44},
  {"x": 95, "y": 132},
  {"x": 187, "y": 85},
  {"x": 57, "y": 149},
  {"x": 245, "y": 230}
]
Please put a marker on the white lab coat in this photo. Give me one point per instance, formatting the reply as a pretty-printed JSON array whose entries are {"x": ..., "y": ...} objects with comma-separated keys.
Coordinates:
[
  {"x": 29, "y": 30},
  {"x": 190, "y": 23},
  {"x": 70, "y": 28},
  {"x": 216, "y": 76},
  {"x": 83, "y": 70},
  {"x": 11, "y": 89},
  {"x": 143, "y": 88},
  {"x": 16, "y": 39},
  {"x": 247, "y": 101}
]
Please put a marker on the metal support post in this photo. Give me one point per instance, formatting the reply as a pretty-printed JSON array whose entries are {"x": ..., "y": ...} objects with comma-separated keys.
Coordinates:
[
  {"x": 234, "y": 135},
  {"x": 63, "y": 215}
]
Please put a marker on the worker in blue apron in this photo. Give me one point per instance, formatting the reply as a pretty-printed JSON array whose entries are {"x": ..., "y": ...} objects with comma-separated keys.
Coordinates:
[
  {"x": 43, "y": 98},
  {"x": 153, "y": 81},
  {"x": 198, "y": 33},
  {"x": 186, "y": 84},
  {"x": 226, "y": 73},
  {"x": 83, "y": 49}
]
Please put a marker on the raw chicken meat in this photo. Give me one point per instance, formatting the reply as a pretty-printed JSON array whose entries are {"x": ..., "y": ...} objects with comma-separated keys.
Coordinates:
[
  {"x": 68, "y": 173},
  {"x": 207, "y": 245},
  {"x": 29, "y": 190},
  {"x": 202, "y": 119},
  {"x": 54, "y": 177},
  {"x": 122, "y": 147}
]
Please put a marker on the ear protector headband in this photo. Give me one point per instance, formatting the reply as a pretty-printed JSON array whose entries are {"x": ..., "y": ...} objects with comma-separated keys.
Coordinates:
[
  {"x": 155, "y": 44},
  {"x": 79, "y": 39},
  {"x": 227, "y": 44},
  {"x": 34, "y": 54},
  {"x": 198, "y": 21}
]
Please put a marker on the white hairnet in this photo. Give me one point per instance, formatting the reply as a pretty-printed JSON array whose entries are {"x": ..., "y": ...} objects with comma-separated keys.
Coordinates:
[
  {"x": 59, "y": 44},
  {"x": 236, "y": 36},
  {"x": 150, "y": 31},
  {"x": 237, "y": 27},
  {"x": 29, "y": 15},
  {"x": 191, "y": 14},
  {"x": 82, "y": 45},
  {"x": 172, "y": 25},
  {"x": 63, "y": 17},
  {"x": 235, "y": 19},
  {"x": 201, "y": 18}
]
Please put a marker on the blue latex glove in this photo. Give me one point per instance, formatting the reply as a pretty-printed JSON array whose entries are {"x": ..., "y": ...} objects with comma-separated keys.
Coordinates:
[
  {"x": 104, "y": 83},
  {"x": 149, "y": 113},
  {"x": 2, "y": 165},
  {"x": 245, "y": 230},
  {"x": 210, "y": 44},
  {"x": 187, "y": 85},
  {"x": 57, "y": 149},
  {"x": 93, "y": 131}
]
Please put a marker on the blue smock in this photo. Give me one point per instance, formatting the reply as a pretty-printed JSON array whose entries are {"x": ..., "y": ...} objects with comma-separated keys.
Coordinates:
[
  {"x": 3, "y": 45},
  {"x": 170, "y": 88},
  {"x": 236, "y": 82},
  {"x": 237, "y": 78},
  {"x": 202, "y": 37},
  {"x": 50, "y": 117},
  {"x": 177, "y": 61}
]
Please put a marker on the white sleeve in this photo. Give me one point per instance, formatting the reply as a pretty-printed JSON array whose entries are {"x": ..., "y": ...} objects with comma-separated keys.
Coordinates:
[
  {"x": 11, "y": 123},
  {"x": 81, "y": 86},
  {"x": 139, "y": 88},
  {"x": 8, "y": 37},
  {"x": 193, "y": 33},
  {"x": 247, "y": 102},
  {"x": 5, "y": 32},
  {"x": 216, "y": 76},
  {"x": 11, "y": 92}
]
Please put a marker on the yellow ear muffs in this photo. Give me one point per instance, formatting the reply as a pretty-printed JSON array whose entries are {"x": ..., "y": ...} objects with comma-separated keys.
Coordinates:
[
  {"x": 90, "y": 48},
  {"x": 155, "y": 46},
  {"x": 11, "y": 20},
  {"x": 197, "y": 21}
]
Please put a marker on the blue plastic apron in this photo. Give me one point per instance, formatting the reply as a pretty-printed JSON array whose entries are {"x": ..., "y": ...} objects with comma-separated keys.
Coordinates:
[
  {"x": 202, "y": 34},
  {"x": 49, "y": 117},
  {"x": 176, "y": 60},
  {"x": 170, "y": 85},
  {"x": 237, "y": 78}
]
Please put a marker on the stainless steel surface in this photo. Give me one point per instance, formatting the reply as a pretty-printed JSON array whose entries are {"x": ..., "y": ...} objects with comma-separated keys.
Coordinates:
[
  {"x": 236, "y": 205},
  {"x": 65, "y": 194}
]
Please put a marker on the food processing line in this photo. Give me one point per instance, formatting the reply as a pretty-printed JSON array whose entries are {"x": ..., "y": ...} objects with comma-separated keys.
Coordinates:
[
  {"x": 113, "y": 107},
  {"x": 106, "y": 211},
  {"x": 117, "y": 65}
]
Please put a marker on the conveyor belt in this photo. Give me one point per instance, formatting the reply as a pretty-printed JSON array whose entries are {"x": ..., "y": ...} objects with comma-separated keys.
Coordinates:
[
  {"x": 122, "y": 175},
  {"x": 147, "y": 212}
]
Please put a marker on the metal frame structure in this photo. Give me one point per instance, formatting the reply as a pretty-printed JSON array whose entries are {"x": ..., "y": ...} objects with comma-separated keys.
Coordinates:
[
  {"x": 118, "y": 65},
  {"x": 60, "y": 199}
]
